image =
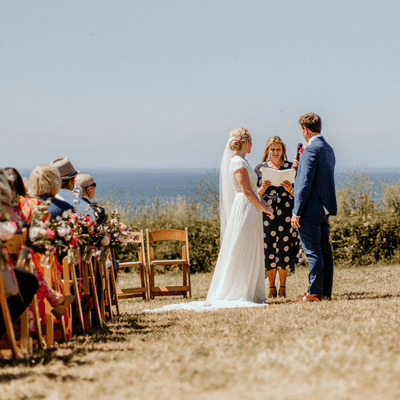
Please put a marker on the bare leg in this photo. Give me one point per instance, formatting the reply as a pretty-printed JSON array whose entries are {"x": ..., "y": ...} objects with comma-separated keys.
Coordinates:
[
  {"x": 272, "y": 277},
  {"x": 282, "y": 280}
]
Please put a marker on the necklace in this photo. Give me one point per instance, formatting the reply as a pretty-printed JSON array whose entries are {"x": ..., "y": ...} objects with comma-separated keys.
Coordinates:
[{"x": 273, "y": 166}]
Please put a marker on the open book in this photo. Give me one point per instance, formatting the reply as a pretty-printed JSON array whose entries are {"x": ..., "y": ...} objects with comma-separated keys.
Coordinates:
[{"x": 277, "y": 176}]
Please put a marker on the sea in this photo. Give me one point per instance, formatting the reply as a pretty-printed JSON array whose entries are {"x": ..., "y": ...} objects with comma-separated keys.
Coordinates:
[{"x": 137, "y": 185}]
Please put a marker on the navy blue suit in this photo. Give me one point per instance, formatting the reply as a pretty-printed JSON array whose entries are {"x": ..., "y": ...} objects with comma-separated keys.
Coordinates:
[{"x": 314, "y": 200}]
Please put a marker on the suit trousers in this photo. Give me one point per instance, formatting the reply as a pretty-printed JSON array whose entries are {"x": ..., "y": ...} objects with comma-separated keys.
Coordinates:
[{"x": 314, "y": 236}]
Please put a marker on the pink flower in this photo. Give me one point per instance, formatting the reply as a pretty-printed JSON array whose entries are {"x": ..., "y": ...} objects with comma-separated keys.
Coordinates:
[
  {"x": 50, "y": 233},
  {"x": 74, "y": 216},
  {"x": 74, "y": 240}
]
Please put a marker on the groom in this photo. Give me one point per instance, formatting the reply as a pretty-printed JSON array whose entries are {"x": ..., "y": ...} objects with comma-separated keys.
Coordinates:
[{"x": 314, "y": 201}]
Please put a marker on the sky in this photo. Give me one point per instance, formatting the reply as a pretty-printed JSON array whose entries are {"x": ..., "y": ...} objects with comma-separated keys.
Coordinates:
[{"x": 161, "y": 83}]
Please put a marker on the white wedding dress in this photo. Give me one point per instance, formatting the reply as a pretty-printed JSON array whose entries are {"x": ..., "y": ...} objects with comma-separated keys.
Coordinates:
[{"x": 238, "y": 279}]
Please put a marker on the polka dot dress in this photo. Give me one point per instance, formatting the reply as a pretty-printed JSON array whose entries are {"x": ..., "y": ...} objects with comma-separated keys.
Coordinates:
[{"x": 281, "y": 241}]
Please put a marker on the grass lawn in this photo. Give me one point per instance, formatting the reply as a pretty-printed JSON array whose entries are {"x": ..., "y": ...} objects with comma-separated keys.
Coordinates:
[{"x": 344, "y": 349}]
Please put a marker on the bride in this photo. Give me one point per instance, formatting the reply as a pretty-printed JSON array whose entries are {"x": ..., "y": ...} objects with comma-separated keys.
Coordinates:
[{"x": 238, "y": 279}]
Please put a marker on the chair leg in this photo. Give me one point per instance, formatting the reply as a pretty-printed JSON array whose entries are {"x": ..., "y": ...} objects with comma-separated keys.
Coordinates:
[
  {"x": 38, "y": 326},
  {"x": 107, "y": 289},
  {"x": 8, "y": 323},
  {"x": 190, "y": 283},
  {"x": 25, "y": 340},
  {"x": 77, "y": 297},
  {"x": 96, "y": 300},
  {"x": 114, "y": 287}
]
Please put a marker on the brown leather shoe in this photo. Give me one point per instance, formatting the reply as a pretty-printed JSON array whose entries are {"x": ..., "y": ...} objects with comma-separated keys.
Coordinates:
[{"x": 309, "y": 297}]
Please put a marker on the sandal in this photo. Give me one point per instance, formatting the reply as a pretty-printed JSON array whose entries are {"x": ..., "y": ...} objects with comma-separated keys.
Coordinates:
[
  {"x": 282, "y": 291},
  {"x": 272, "y": 292},
  {"x": 58, "y": 312},
  {"x": 68, "y": 300}
]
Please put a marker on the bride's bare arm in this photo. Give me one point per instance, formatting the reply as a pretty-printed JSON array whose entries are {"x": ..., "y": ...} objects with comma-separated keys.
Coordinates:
[{"x": 242, "y": 178}]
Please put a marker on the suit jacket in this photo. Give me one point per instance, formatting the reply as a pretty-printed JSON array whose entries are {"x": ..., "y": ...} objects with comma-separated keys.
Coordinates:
[
  {"x": 314, "y": 186},
  {"x": 57, "y": 206},
  {"x": 99, "y": 212}
]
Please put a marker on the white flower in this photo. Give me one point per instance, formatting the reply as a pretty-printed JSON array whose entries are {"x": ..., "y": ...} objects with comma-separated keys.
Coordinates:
[
  {"x": 36, "y": 232},
  {"x": 7, "y": 230},
  {"x": 105, "y": 241}
]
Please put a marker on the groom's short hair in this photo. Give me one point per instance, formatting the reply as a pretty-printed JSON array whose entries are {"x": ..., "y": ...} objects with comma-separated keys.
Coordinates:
[{"x": 312, "y": 122}]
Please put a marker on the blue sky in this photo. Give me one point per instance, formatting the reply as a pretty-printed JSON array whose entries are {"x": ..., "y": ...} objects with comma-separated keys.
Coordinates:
[{"x": 160, "y": 84}]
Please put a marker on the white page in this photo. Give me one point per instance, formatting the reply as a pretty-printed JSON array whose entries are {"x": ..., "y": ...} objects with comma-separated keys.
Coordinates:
[{"x": 277, "y": 176}]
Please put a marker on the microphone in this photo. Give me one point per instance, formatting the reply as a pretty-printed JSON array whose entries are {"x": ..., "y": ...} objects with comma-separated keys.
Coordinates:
[{"x": 299, "y": 147}]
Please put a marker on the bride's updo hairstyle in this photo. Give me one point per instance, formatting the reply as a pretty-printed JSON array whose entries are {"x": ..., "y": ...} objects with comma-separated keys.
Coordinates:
[{"x": 239, "y": 136}]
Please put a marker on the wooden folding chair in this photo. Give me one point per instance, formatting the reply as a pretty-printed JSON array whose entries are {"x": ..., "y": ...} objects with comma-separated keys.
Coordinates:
[
  {"x": 59, "y": 283},
  {"x": 143, "y": 290},
  {"x": 11, "y": 344},
  {"x": 69, "y": 262},
  {"x": 169, "y": 234},
  {"x": 24, "y": 341},
  {"x": 89, "y": 278},
  {"x": 104, "y": 261}
]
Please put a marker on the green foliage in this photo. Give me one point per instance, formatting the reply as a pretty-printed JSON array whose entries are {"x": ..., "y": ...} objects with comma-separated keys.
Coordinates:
[
  {"x": 366, "y": 229},
  {"x": 198, "y": 212}
]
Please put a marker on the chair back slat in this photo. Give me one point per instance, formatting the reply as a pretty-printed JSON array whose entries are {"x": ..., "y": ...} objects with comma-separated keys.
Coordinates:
[
  {"x": 135, "y": 237},
  {"x": 167, "y": 234}
]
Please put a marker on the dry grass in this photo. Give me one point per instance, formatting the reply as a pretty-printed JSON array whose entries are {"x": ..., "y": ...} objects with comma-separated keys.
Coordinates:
[{"x": 344, "y": 349}]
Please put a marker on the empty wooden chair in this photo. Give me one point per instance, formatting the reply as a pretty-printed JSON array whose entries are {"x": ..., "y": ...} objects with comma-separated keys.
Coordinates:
[
  {"x": 184, "y": 262},
  {"x": 143, "y": 289}
]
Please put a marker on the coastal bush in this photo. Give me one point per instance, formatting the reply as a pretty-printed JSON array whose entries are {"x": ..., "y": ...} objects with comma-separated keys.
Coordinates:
[{"x": 367, "y": 227}]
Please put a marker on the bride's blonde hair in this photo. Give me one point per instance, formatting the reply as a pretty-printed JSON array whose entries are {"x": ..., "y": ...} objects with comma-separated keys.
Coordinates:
[{"x": 239, "y": 136}]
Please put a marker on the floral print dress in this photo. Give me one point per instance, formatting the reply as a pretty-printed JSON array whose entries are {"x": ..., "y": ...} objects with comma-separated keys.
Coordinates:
[{"x": 281, "y": 240}]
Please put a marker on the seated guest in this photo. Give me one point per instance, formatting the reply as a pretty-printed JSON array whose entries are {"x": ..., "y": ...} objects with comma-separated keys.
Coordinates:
[
  {"x": 21, "y": 211},
  {"x": 88, "y": 186},
  {"x": 68, "y": 174},
  {"x": 24, "y": 202},
  {"x": 27, "y": 282},
  {"x": 45, "y": 183}
]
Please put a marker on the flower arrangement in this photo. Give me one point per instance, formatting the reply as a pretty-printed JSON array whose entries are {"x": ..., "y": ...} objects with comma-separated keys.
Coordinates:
[
  {"x": 7, "y": 227},
  {"x": 84, "y": 231},
  {"x": 72, "y": 230},
  {"x": 115, "y": 232},
  {"x": 46, "y": 233}
]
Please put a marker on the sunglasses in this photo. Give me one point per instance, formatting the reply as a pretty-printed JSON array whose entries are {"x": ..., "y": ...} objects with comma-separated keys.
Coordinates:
[{"x": 92, "y": 185}]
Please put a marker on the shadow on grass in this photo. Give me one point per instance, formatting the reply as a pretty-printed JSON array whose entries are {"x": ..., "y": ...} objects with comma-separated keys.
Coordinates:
[
  {"x": 117, "y": 330},
  {"x": 364, "y": 295}
]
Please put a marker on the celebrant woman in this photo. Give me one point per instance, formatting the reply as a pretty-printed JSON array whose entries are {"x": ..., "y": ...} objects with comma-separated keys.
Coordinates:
[{"x": 281, "y": 241}]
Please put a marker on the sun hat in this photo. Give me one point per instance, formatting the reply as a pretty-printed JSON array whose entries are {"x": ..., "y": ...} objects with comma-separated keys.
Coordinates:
[{"x": 65, "y": 168}]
